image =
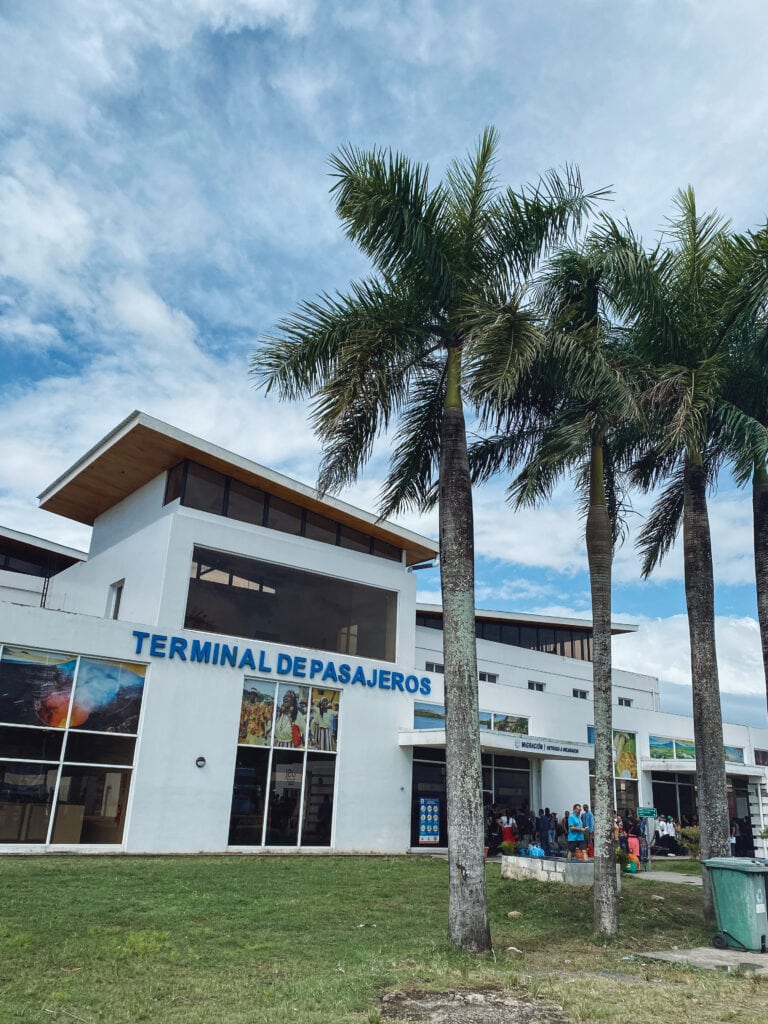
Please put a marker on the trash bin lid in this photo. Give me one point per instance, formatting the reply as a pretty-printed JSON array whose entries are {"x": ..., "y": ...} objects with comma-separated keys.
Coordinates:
[{"x": 748, "y": 865}]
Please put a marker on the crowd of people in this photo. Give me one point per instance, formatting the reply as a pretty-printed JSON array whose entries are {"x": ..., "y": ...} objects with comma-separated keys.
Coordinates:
[{"x": 572, "y": 834}]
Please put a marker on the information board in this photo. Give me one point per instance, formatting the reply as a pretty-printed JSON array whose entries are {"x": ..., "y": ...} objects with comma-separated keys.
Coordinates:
[{"x": 429, "y": 821}]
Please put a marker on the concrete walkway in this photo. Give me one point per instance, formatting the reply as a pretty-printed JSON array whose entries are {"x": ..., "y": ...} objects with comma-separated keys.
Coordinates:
[
  {"x": 712, "y": 959},
  {"x": 668, "y": 876}
]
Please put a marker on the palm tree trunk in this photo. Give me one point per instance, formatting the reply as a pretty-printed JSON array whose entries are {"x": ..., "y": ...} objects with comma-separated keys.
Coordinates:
[
  {"x": 468, "y": 926},
  {"x": 707, "y": 716},
  {"x": 760, "y": 531},
  {"x": 600, "y": 556}
]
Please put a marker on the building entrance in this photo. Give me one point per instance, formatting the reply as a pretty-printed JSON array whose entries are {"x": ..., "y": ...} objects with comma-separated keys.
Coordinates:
[{"x": 506, "y": 783}]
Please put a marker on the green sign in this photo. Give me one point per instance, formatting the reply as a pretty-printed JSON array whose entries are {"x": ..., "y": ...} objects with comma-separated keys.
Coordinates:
[{"x": 646, "y": 812}]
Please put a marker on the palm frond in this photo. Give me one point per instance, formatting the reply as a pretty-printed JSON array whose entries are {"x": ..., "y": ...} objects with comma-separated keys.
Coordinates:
[
  {"x": 743, "y": 438},
  {"x": 416, "y": 447},
  {"x": 561, "y": 446},
  {"x": 490, "y": 455},
  {"x": 388, "y": 209},
  {"x": 503, "y": 342},
  {"x": 471, "y": 186},
  {"x": 662, "y": 526},
  {"x": 527, "y": 223}
]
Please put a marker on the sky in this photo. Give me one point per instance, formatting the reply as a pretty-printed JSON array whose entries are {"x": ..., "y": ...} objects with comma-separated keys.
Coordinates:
[{"x": 164, "y": 200}]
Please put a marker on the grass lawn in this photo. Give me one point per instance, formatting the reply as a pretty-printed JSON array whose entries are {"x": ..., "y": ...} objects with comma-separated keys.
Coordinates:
[
  {"x": 686, "y": 866},
  {"x": 231, "y": 940}
]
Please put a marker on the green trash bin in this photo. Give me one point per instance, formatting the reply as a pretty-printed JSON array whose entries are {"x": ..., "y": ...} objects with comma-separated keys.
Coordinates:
[{"x": 739, "y": 894}]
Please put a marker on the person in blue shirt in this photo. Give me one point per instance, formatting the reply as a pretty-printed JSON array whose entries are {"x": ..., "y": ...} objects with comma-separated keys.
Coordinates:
[
  {"x": 575, "y": 831},
  {"x": 588, "y": 821}
]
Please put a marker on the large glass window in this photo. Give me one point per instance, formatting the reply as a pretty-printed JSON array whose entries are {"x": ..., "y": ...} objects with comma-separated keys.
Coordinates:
[
  {"x": 286, "y": 766},
  {"x": 68, "y": 729},
  {"x": 243, "y": 597},
  {"x": 205, "y": 489},
  {"x": 674, "y": 794},
  {"x": 432, "y": 716},
  {"x": 568, "y": 643},
  {"x": 246, "y": 503}
]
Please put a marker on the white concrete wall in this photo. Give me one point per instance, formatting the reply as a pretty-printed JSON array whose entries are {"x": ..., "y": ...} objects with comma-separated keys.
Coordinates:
[
  {"x": 137, "y": 555},
  {"x": 20, "y": 588},
  {"x": 516, "y": 666}
]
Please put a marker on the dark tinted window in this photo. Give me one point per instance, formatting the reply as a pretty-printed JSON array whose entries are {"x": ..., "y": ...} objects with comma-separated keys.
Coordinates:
[
  {"x": 42, "y": 744},
  {"x": 204, "y": 489},
  {"x": 528, "y": 636},
  {"x": 173, "y": 484},
  {"x": 94, "y": 748},
  {"x": 246, "y": 503},
  {"x": 385, "y": 550},
  {"x": 283, "y": 515},
  {"x": 259, "y": 600},
  {"x": 320, "y": 528},
  {"x": 355, "y": 540}
]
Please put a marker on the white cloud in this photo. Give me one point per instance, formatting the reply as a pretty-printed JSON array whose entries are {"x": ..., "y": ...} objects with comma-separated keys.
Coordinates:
[
  {"x": 47, "y": 235},
  {"x": 19, "y": 331},
  {"x": 661, "y": 648}
]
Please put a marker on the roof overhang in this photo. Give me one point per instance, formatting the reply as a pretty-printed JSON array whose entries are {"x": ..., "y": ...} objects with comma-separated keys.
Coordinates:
[
  {"x": 57, "y": 556},
  {"x": 505, "y": 743},
  {"x": 142, "y": 447},
  {"x": 525, "y": 619},
  {"x": 688, "y": 766}
]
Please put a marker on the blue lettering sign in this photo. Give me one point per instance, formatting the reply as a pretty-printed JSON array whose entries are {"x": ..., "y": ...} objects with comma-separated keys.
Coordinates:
[
  {"x": 178, "y": 646},
  {"x": 207, "y": 652},
  {"x": 140, "y": 638},
  {"x": 228, "y": 655},
  {"x": 200, "y": 651},
  {"x": 247, "y": 660},
  {"x": 157, "y": 645}
]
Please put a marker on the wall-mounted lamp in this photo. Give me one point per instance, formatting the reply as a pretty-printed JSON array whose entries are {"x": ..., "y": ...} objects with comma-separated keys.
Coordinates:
[{"x": 200, "y": 762}]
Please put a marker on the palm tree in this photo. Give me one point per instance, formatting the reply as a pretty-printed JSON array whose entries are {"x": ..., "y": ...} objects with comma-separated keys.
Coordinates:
[
  {"x": 394, "y": 352},
  {"x": 685, "y": 303},
  {"x": 579, "y": 393},
  {"x": 748, "y": 391}
]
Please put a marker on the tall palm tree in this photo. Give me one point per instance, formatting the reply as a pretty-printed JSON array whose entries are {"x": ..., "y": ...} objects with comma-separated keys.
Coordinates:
[
  {"x": 579, "y": 393},
  {"x": 685, "y": 302},
  {"x": 748, "y": 391},
  {"x": 394, "y": 352}
]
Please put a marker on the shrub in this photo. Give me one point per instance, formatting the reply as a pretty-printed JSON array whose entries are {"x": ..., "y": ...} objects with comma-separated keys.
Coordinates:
[
  {"x": 692, "y": 839},
  {"x": 622, "y": 858},
  {"x": 509, "y": 849}
]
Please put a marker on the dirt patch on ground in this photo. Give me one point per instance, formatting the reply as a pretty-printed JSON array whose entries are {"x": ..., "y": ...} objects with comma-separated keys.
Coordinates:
[{"x": 469, "y": 1008}]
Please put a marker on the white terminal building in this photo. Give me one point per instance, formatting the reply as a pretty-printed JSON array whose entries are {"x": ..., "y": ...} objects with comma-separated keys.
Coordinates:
[{"x": 238, "y": 664}]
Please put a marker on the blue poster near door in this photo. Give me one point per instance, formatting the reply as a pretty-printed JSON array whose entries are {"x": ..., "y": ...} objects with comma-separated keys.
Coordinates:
[{"x": 429, "y": 820}]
